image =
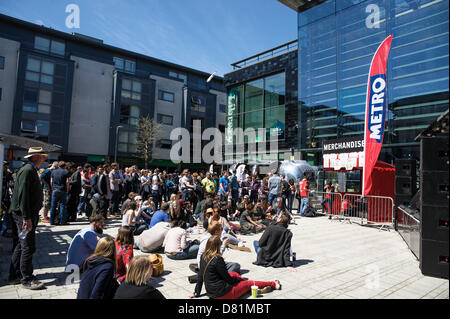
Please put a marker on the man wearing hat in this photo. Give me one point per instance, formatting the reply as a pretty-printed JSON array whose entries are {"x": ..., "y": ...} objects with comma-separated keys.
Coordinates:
[{"x": 25, "y": 206}]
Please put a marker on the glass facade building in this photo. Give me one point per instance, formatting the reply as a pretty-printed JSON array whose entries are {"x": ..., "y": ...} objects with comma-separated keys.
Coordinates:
[{"x": 336, "y": 42}]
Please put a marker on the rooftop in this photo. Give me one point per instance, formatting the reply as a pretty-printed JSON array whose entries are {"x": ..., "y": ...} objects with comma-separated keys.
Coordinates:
[{"x": 301, "y": 5}]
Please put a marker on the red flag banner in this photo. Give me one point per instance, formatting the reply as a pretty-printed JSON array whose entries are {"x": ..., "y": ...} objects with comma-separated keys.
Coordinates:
[{"x": 376, "y": 109}]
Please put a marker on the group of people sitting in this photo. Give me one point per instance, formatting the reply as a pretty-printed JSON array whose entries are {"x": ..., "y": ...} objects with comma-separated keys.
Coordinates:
[{"x": 109, "y": 269}]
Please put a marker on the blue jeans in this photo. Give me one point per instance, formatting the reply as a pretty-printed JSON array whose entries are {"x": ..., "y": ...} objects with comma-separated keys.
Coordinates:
[
  {"x": 272, "y": 199},
  {"x": 188, "y": 253},
  {"x": 256, "y": 245},
  {"x": 290, "y": 202},
  {"x": 82, "y": 204},
  {"x": 303, "y": 204},
  {"x": 58, "y": 197}
]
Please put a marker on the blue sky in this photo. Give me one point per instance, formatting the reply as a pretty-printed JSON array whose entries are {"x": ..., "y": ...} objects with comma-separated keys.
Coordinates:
[{"x": 206, "y": 35}]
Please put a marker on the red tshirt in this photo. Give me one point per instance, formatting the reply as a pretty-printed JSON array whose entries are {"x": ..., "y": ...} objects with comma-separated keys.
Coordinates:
[{"x": 303, "y": 188}]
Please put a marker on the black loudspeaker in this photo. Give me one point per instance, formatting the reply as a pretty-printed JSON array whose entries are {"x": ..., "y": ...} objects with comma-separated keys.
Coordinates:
[
  {"x": 434, "y": 258},
  {"x": 405, "y": 167},
  {"x": 434, "y": 214},
  {"x": 405, "y": 181},
  {"x": 405, "y": 186}
]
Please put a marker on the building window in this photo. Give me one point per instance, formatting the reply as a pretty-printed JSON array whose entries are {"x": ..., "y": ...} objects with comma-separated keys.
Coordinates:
[
  {"x": 166, "y": 96},
  {"x": 2, "y": 62},
  {"x": 180, "y": 76},
  {"x": 222, "y": 108},
  {"x": 49, "y": 45},
  {"x": 258, "y": 104},
  {"x": 129, "y": 114},
  {"x": 124, "y": 65},
  {"x": 28, "y": 126},
  {"x": 30, "y": 100},
  {"x": 165, "y": 144},
  {"x": 165, "y": 119},
  {"x": 127, "y": 142},
  {"x": 131, "y": 89},
  {"x": 42, "y": 127},
  {"x": 198, "y": 103},
  {"x": 39, "y": 71}
]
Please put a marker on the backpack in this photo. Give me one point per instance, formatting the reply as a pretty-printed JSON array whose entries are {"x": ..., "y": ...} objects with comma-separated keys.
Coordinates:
[
  {"x": 310, "y": 212},
  {"x": 158, "y": 266}
]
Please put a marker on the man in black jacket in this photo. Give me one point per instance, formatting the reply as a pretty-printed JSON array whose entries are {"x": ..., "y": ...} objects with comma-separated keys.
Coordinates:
[
  {"x": 25, "y": 206},
  {"x": 274, "y": 246}
]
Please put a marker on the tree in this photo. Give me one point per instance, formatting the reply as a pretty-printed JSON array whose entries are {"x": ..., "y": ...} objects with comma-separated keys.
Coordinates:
[{"x": 148, "y": 132}]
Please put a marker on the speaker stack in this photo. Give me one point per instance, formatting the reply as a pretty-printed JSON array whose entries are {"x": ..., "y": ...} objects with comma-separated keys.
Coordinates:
[
  {"x": 405, "y": 181},
  {"x": 434, "y": 214}
]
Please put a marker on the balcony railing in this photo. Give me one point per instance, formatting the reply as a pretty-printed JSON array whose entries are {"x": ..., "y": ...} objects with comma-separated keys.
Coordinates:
[{"x": 290, "y": 46}]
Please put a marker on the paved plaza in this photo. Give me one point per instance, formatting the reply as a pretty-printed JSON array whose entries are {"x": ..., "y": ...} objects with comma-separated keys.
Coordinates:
[{"x": 335, "y": 260}]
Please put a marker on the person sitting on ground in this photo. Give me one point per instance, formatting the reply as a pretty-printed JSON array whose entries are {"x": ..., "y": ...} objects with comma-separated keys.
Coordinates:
[
  {"x": 219, "y": 283},
  {"x": 151, "y": 240},
  {"x": 176, "y": 246},
  {"x": 241, "y": 208},
  {"x": 206, "y": 217},
  {"x": 215, "y": 229},
  {"x": 229, "y": 228},
  {"x": 124, "y": 251},
  {"x": 246, "y": 222},
  {"x": 161, "y": 215},
  {"x": 136, "y": 284},
  {"x": 97, "y": 279},
  {"x": 274, "y": 247},
  {"x": 84, "y": 243},
  {"x": 131, "y": 196}
]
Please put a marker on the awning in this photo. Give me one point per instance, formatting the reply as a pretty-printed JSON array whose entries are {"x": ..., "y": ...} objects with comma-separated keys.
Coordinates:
[{"x": 26, "y": 143}]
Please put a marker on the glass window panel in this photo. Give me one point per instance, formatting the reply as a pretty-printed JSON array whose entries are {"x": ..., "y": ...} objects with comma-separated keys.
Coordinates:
[
  {"x": 136, "y": 86},
  {"x": 2, "y": 62},
  {"x": 126, "y": 84},
  {"x": 173, "y": 74},
  {"x": 126, "y": 94},
  {"x": 133, "y": 121},
  {"x": 46, "y": 79},
  {"x": 58, "y": 47},
  {"x": 45, "y": 97},
  {"x": 122, "y": 147},
  {"x": 45, "y": 109},
  {"x": 123, "y": 137},
  {"x": 275, "y": 119},
  {"x": 134, "y": 111},
  {"x": 41, "y": 43},
  {"x": 34, "y": 65},
  {"x": 132, "y": 148},
  {"x": 254, "y": 95},
  {"x": 48, "y": 68},
  {"x": 125, "y": 109},
  {"x": 132, "y": 137},
  {"x": 136, "y": 96},
  {"x": 274, "y": 86},
  {"x": 30, "y": 95},
  {"x": 42, "y": 127},
  {"x": 118, "y": 63},
  {"x": 130, "y": 66},
  {"x": 29, "y": 107},
  {"x": 29, "y": 125}
]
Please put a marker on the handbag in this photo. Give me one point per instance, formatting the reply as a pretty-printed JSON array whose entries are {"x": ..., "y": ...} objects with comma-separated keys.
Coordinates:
[{"x": 158, "y": 266}]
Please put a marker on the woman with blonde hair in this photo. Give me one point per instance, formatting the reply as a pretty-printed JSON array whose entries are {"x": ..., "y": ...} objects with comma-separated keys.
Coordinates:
[
  {"x": 220, "y": 284},
  {"x": 97, "y": 279},
  {"x": 136, "y": 284}
]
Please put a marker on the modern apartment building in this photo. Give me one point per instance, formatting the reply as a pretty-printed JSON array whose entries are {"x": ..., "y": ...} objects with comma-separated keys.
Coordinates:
[{"x": 86, "y": 96}]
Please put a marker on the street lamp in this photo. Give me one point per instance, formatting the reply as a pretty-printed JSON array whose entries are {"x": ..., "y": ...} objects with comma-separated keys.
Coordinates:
[{"x": 117, "y": 139}]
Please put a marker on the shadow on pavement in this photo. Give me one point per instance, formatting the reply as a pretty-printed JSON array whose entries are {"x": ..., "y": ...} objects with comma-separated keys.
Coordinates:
[{"x": 302, "y": 262}]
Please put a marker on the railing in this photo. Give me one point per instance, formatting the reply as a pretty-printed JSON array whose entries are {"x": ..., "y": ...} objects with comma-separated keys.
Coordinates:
[
  {"x": 290, "y": 46},
  {"x": 324, "y": 203},
  {"x": 369, "y": 210},
  {"x": 409, "y": 229}
]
